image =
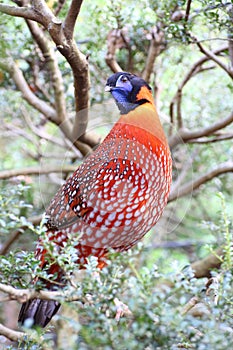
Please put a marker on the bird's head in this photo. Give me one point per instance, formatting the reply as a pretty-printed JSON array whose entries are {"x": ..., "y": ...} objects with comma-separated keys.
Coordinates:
[{"x": 129, "y": 91}]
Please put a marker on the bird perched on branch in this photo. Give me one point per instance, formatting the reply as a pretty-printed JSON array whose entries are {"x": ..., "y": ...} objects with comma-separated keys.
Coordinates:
[{"x": 116, "y": 196}]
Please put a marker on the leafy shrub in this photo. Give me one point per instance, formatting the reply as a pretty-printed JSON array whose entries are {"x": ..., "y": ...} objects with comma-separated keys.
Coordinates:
[{"x": 161, "y": 314}]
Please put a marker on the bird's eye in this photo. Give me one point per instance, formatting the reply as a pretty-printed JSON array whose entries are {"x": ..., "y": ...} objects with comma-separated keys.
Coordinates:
[{"x": 124, "y": 79}]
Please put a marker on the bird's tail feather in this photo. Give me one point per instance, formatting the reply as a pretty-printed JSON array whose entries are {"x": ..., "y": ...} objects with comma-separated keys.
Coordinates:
[{"x": 38, "y": 311}]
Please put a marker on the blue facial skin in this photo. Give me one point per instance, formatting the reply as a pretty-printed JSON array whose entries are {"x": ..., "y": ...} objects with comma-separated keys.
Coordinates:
[
  {"x": 122, "y": 89},
  {"x": 121, "y": 93}
]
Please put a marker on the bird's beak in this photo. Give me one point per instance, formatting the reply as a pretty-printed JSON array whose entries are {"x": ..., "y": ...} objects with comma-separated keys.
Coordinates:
[{"x": 108, "y": 88}]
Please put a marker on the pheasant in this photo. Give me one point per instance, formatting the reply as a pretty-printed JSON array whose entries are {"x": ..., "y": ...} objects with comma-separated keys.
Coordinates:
[{"x": 118, "y": 193}]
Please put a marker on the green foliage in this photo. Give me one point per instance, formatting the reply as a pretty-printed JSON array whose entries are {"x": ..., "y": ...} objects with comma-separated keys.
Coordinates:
[
  {"x": 14, "y": 207},
  {"x": 157, "y": 320},
  {"x": 157, "y": 299}
]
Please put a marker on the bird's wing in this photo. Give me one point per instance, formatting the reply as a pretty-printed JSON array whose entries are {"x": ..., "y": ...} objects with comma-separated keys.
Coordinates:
[
  {"x": 115, "y": 181},
  {"x": 62, "y": 211}
]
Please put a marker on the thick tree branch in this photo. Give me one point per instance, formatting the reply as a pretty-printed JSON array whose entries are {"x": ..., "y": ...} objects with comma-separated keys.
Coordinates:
[
  {"x": 193, "y": 185},
  {"x": 6, "y": 174},
  {"x": 65, "y": 143},
  {"x": 24, "y": 12},
  {"x": 79, "y": 66},
  {"x": 66, "y": 127},
  {"x": 71, "y": 18},
  {"x": 48, "y": 19},
  {"x": 11, "y": 334},
  {"x": 202, "y": 268},
  {"x": 21, "y": 337}
]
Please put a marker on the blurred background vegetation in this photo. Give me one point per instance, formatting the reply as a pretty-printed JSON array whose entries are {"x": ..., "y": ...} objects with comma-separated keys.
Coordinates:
[{"x": 154, "y": 279}]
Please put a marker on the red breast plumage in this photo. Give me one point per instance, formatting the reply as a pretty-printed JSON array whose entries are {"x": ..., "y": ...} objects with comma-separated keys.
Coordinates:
[{"x": 119, "y": 192}]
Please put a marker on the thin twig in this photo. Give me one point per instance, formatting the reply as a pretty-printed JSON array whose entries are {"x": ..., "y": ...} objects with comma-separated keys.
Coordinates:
[
  {"x": 192, "y": 302},
  {"x": 188, "y": 8},
  {"x": 37, "y": 170},
  {"x": 223, "y": 137},
  {"x": 213, "y": 57},
  {"x": 42, "y": 134},
  {"x": 186, "y": 135},
  {"x": 14, "y": 236},
  {"x": 187, "y": 164},
  {"x": 18, "y": 77},
  {"x": 60, "y": 5}
]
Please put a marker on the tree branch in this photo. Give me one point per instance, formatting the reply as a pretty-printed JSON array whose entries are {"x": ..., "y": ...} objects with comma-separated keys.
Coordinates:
[
  {"x": 14, "y": 236},
  {"x": 21, "y": 337},
  {"x": 193, "y": 185},
  {"x": 195, "y": 69},
  {"x": 42, "y": 134},
  {"x": 187, "y": 164},
  {"x": 185, "y": 135},
  {"x": 157, "y": 45},
  {"x": 6, "y": 174},
  {"x": 213, "y": 57},
  {"x": 24, "y": 12},
  {"x": 218, "y": 138},
  {"x": 114, "y": 41},
  {"x": 50, "y": 59},
  {"x": 48, "y": 19},
  {"x": 23, "y": 295},
  {"x": 79, "y": 65},
  {"x": 69, "y": 23},
  {"x": 11, "y": 334},
  {"x": 17, "y": 75},
  {"x": 202, "y": 268},
  {"x": 188, "y": 8},
  {"x": 188, "y": 135},
  {"x": 60, "y": 5}
]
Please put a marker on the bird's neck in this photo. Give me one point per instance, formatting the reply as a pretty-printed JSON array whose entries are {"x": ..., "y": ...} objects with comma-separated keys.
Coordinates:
[
  {"x": 137, "y": 98},
  {"x": 144, "y": 122}
]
